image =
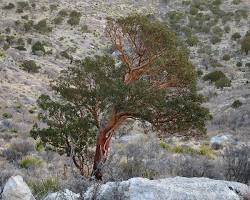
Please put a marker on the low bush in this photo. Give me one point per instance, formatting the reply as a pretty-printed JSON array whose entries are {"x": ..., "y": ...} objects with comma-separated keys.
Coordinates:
[
  {"x": 236, "y": 36},
  {"x": 9, "y": 6},
  {"x": 38, "y": 46},
  {"x": 236, "y": 104},
  {"x": 226, "y": 57},
  {"x": 237, "y": 164},
  {"x": 214, "y": 76},
  {"x": 219, "y": 78},
  {"x": 236, "y": 2},
  {"x": 63, "y": 13},
  {"x": 245, "y": 44},
  {"x": 30, "y": 162},
  {"x": 18, "y": 148},
  {"x": 42, "y": 187},
  {"x": 74, "y": 18},
  {"x": 223, "y": 82},
  {"x": 192, "y": 41},
  {"x": 42, "y": 26},
  {"x": 30, "y": 66},
  {"x": 7, "y": 115},
  {"x": 58, "y": 20}
]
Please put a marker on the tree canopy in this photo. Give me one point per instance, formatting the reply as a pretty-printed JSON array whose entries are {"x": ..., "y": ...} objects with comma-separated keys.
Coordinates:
[{"x": 155, "y": 82}]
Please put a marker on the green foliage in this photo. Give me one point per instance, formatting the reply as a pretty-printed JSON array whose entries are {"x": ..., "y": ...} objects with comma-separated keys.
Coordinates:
[
  {"x": 38, "y": 46},
  {"x": 7, "y": 115},
  {"x": 9, "y": 6},
  {"x": 58, "y": 20},
  {"x": 236, "y": 36},
  {"x": 30, "y": 162},
  {"x": 74, "y": 18},
  {"x": 192, "y": 41},
  {"x": 245, "y": 44},
  {"x": 43, "y": 187},
  {"x": 90, "y": 91},
  {"x": 193, "y": 10},
  {"x": 204, "y": 150},
  {"x": 63, "y": 13},
  {"x": 223, "y": 82},
  {"x": 42, "y": 26},
  {"x": 236, "y": 2},
  {"x": 236, "y": 104},
  {"x": 215, "y": 39},
  {"x": 219, "y": 78},
  {"x": 239, "y": 64},
  {"x": 226, "y": 57},
  {"x": 28, "y": 25},
  {"x": 21, "y": 6},
  {"x": 30, "y": 66},
  {"x": 214, "y": 76}
]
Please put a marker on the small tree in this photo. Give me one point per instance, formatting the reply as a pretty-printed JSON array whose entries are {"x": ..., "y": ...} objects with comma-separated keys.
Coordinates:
[{"x": 155, "y": 83}]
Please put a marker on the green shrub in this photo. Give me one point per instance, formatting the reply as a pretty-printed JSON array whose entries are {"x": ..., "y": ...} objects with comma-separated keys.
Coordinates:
[
  {"x": 219, "y": 78},
  {"x": 247, "y": 65},
  {"x": 239, "y": 64},
  {"x": 192, "y": 41},
  {"x": 7, "y": 115},
  {"x": 74, "y": 18},
  {"x": 42, "y": 26},
  {"x": 236, "y": 2},
  {"x": 9, "y": 6},
  {"x": 42, "y": 187},
  {"x": 30, "y": 66},
  {"x": 30, "y": 161},
  {"x": 21, "y": 6},
  {"x": 226, "y": 57},
  {"x": 38, "y": 46},
  {"x": 199, "y": 73},
  {"x": 245, "y": 44},
  {"x": 58, "y": 20},
  {"x": 223, "y": 82},
  {"x": 194, "y": 10},
  {"x": 53, "y": 7},
  {"x": 206, "y": 150},
  {"x": 164, "y": 145},
  {"x": 215, "y": 39},
  {"x": 28, "y": 25},
  {"x": 236, "y": 36},
  {"x": 2, "y": 54},
  {"x": 20, "y": 48},
  {"x": 236, "y": 104},
  {"x": 217, "y": 31},
  {"x": 63, "y": 13},
  {"x": 217, "y": 2}
]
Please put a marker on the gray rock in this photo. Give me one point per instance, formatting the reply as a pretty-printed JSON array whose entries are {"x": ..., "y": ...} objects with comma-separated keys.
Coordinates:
[
  {"x": 16, "y": 189},
  {"x": 219, "y": 141},
  {"x": 178, "y": 188},
  {"x": 63, "y": 195}
]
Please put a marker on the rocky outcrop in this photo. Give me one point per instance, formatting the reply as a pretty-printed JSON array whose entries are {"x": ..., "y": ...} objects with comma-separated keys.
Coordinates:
[
  {"x": 63, "y": 195},
  {"x": 178, "y": 188},
  {"x": 16, "y": 189}
]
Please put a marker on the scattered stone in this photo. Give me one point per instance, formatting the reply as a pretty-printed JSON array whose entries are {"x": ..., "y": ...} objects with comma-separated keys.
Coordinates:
[
  {"x": 170, "y": 188},
  {"x": 63, "y": 195},
  {"x": 16, "y": 189}
]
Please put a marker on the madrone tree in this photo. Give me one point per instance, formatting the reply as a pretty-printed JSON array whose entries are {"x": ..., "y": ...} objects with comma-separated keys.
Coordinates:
[{"x": 154, "y": 82}]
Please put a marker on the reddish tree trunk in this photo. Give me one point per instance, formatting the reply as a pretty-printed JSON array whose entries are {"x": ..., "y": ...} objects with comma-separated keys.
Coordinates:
[
  {"x": 104, "y": 139},
  {"x": 102, "y": 146}
]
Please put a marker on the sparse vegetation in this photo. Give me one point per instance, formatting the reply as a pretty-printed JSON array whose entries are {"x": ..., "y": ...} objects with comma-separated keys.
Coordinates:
[
  {"x": 245, "y": 44},
  {"x": 30, "y": 162},
  {"x": 9, "y": 6},
  {"x": 219, "y": 78},
  {"x": 42, "y": 187},
  {"x": 74, "y": 18},
  {"x": 237, "y": 104},
  {"x": 30, "y": 66},
  {"x": 42, "y": 26},
  {"x": 38, "y": 46}
]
